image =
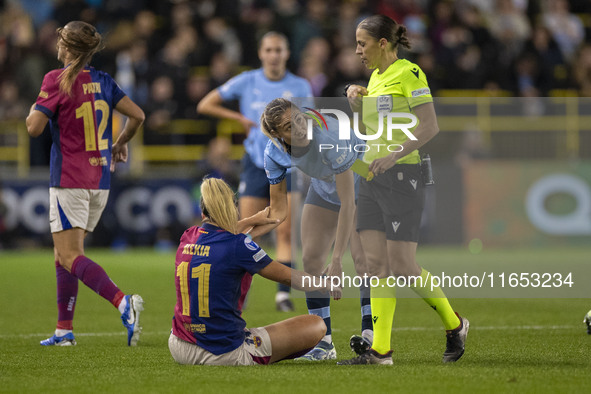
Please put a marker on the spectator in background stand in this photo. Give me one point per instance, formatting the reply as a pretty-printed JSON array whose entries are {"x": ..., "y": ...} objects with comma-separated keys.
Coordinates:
[
  {"x": 549, "y": 58},
  {"x": 218, "y": 31},
  {"x": 218, "y": 163},
  {"x": 348, "y": 70},
  {"x": 221, "y": 69},
  {"x": 471, "y": 17},
  {"x": 566, "y": 28},
  {"x": 314, "y": 23},
  {"x": 312, "y": 66},
  {"x": 12, "y": 106},
  {"x": 511, "y": 29},
  {"x": 582, "y": 71},
  {"x": 349, "y": 13},
  {"x": 160, "y": 110},
  {"x": 198, "y": 85}
]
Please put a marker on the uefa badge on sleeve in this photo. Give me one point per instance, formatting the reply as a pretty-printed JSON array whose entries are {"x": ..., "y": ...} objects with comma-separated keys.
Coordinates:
[{"x": 384, "y": 103}]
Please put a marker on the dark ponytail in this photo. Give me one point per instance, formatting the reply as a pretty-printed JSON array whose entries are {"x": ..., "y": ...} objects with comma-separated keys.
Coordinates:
[{"x": 381, "y": 26}]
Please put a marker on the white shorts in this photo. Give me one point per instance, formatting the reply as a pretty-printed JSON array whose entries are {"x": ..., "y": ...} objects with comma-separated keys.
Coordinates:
[
  {"x": 256, "y": 349},
  {"x": 70, "y": 208}
]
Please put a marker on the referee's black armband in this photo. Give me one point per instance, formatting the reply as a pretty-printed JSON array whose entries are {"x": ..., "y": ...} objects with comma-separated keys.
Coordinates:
[{"x": 347, "y": 86}]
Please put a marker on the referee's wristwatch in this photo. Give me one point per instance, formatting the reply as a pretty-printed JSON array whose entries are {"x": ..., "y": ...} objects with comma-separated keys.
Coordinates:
[{"x": 347, "y": 86}]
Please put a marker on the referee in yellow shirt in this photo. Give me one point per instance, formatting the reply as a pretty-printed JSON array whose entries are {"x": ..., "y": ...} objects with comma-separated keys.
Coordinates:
[{"x": 390, "y": 206}]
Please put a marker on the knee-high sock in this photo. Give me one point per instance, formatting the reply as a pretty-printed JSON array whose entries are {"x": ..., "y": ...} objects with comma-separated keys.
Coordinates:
[
  {"x": 383, "y": 305},
  {"x": 95, "y": 277},
  {"x": 319, "y": 305},
  {"x": 364, "y": 297},
  {"x": 67, "y": 291},
  {"x": 282, "y": 287},
  {"x": 436, "y": 300}
]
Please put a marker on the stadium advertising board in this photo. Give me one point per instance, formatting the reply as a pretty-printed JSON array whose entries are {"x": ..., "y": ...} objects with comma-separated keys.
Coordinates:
[{"x": 511, "y": 203}]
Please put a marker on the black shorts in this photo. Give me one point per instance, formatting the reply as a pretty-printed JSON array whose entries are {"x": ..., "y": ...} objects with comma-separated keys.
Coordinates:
[
  {"x": 393, "y": 203},
  {"x": 254, "y": 181}
]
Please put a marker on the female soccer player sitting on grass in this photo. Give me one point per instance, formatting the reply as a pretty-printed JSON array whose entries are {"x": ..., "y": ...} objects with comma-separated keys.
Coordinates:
[
  {"x": 211, "y": 263},
  {"x": 329, "y": 210}
]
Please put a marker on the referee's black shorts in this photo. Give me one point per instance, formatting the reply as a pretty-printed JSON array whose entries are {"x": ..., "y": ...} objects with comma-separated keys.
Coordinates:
[{"x": 393, "y": 203}]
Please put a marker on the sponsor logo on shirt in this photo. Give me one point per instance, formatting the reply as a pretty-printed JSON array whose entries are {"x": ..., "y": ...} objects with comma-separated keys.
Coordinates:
[
  {"x": 97, "y": 161},
  {"x": 421, "y": 92},
  {"x": 199, "y": 328},
  {"x": 43, "y": 94},
  {"x": 259, "y": 255}
]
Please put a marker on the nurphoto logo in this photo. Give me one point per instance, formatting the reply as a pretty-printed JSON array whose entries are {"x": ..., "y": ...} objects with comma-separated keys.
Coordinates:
[{"x": 391, "y": 120}]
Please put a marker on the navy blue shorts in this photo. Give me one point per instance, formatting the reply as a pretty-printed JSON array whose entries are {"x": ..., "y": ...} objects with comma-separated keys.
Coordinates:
[
  {"x": 314, "y": 198},
  {"x": 254, "y": 181}
]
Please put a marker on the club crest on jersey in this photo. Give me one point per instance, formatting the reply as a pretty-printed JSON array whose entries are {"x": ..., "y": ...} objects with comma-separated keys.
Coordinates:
[{"x": 250, "y": 244}]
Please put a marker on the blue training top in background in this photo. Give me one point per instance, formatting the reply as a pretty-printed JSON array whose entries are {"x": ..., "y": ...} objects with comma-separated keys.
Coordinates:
[{"x": 255, "y": 91}]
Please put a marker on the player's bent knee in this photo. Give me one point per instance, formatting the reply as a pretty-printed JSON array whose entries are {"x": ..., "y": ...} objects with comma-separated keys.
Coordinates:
[
  {"x": 318, "y": 327},
  {"x": 312, "y": 265}
]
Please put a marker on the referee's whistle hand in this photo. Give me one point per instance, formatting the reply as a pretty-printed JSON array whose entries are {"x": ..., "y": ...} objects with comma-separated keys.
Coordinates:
[{"x": 356, "y": 91}]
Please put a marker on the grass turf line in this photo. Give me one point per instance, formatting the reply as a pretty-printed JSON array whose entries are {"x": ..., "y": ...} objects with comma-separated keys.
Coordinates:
[{"x": 551, "y": 355}]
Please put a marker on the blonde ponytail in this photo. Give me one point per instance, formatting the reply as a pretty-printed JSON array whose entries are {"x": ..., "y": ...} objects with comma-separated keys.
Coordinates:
[{"x": 217, "y": 204}]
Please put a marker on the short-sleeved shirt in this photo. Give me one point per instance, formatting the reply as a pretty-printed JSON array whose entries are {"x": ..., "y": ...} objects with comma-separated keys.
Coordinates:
[
  {"x": 81, "y": 128},
  {"x": 209, "y": 268},
  {"x": 400, "y": 88},
  {"x": 255, "y": 91},
  {"x": 325, "y": 157}
]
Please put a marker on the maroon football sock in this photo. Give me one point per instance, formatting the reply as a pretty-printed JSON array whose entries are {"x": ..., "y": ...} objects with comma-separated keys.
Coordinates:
[
  {"x": 95, "y": 277},
  {"x": 67, "y": 291}
]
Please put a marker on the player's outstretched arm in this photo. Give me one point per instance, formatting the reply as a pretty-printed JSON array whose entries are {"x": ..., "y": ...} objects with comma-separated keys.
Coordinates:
[
  {"x": 212, "y": 105},
  {"x": 260, "y": 218},
  {"x": 345, "y": 184},
  {"x": 295, "y": 279},
  {"x": 278, "y": 209}
]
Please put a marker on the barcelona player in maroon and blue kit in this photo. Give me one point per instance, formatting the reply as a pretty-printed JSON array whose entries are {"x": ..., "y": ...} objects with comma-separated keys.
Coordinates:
[
  {"x": 213, "y": 262},
  {"x": 78, "y": 103}
]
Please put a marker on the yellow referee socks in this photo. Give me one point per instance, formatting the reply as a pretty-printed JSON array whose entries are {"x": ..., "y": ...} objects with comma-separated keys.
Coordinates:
[
  {"x": 436, "y": 300},
  {"x": 383, "y": 304}
]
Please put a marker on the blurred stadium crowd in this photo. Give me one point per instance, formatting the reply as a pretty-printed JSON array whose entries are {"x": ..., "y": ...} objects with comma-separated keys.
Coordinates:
[{"x": 167, "y": 54}]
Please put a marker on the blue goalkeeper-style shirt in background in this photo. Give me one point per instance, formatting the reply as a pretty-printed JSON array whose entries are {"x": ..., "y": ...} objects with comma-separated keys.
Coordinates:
[
  {"x": 325, "y": 157},
  {"x": 255, "y": 91},
  {"x": 211, "y": 265}
]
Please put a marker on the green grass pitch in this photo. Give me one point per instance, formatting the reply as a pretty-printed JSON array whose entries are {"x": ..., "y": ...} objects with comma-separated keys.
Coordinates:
[{"x": 514, "y": 345}]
